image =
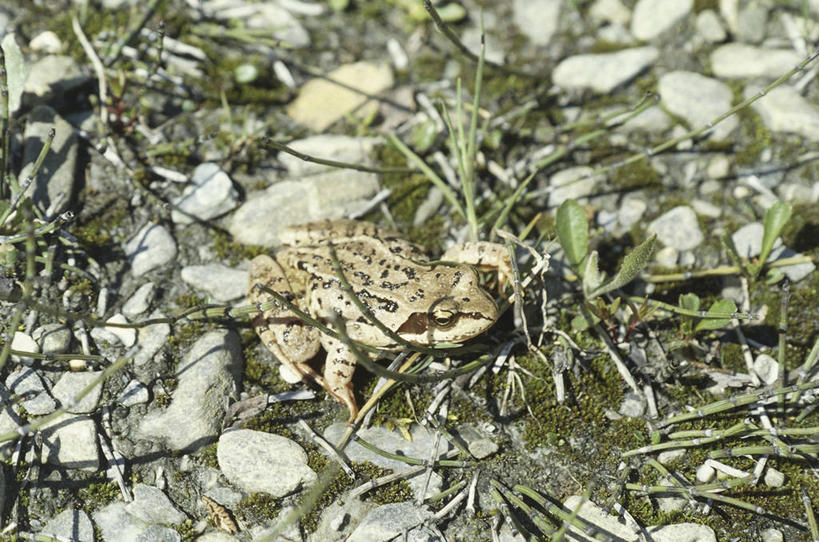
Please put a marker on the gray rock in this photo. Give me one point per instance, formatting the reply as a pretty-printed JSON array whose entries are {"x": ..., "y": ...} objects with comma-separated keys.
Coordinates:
[
  {"x": 748, "y": 240},
  {"x": 388, "y": 521},
  {"x": 669, "y": 502},
  {"x": 705, "y": 208},
  {"x": 572, "y": 183},
  {"x": 592, "y": 513},
  {"x": 752, "y": 23},
  {"x": 51, "y": 77},
  {"x": 220, "y": 282},
  {"x": 53, "y": 187},
  {"x": 633, "y": 405},
  {"x": 420, "y": 447},
  {"x": 678, "y": 228},
  {"x": 70, "y": 524},
  {"x": 70, "y": 441},
  {"x": 766, "y": 368},
  {"x": 265, "y": 462},
  {"x": 70, "y": 384},
  {"x": 537, "y": 19},
  {"x": 205, "y": 378},
  {"x": 794, "y": 272},
  {"x": 24, "y": 343},
  {"x": 152, "y": 247},
  {"x": 159, "y": 533},
  {"x": 115, "y": 523},
  {"x": 677, "y": 532},
  {"x": 135, "y": 393},
  {"x": 772, "y": 535},
  {"x": 210, "y": 194},
  {"x": 269, "y": 16},
  {"x": 610, "y": 11},
  {"x": 666, "y": 457},
  {"x": 331, "y": 195},
  {"x": 709, "y": 27},
  {"x": 10, "y": 420},
  {"x": 342, "y": 148},
  {"x": 630, "y": 212},
  {"x": 698, "y": 100},
  {"x": 151, "y": 339},
  {"x": 738, "y": 60},
  {"x": 603, "y": 72},
  {"x": 53, "y": 338},
  {"x": 24, "y": 381},
  {"x": 153, "y": 507},
  {"x": 140, "y": 301},
  {"x": 784, "y": 110},
  {"x": 705, "y": 473},
  {"x": 651, "y": 18}
]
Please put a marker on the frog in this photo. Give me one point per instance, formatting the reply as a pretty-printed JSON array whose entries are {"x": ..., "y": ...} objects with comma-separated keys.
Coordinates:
[{"x": 424, "y": 303}]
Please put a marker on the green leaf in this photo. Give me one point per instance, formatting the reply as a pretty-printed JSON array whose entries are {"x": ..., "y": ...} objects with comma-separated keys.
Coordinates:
[
  {"x": 689, "y": 302},
  {"x": 721, "y": 306},
  {"x": 573, "y": 233},
  {"x": 592, "y": 278},
  {"x": 633, "y": 264},
  {"x": 776, "y": 217}
]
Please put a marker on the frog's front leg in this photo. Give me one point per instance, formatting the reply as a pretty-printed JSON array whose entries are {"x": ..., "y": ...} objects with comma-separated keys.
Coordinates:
[
  {"x": 338, "y": 373},
  {"x": 484, "y": 255},
  {"x": 292, "y": 341}
]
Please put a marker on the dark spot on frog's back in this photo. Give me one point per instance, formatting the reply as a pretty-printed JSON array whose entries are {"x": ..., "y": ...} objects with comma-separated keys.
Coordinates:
[
  {"x": 456, "y": 278},
  {"x": 384, "y": 274}
]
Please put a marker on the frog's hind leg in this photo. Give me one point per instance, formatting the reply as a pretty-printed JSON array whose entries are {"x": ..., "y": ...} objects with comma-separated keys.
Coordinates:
[
  {"x": 338, "y": 373},
  {"x": 292, "y": 341}
]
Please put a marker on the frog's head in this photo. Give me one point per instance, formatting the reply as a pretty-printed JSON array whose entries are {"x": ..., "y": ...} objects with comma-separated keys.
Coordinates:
[{"x": 459, "y": 310}]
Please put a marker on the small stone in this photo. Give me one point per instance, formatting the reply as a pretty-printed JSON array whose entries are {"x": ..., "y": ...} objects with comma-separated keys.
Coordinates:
[
  {"x": 53, "y": 76},
  {"x": 140, "y": 301},
  {"x": 70, "y": 442},
  {"x": 630, "y": 212},
  {"x": 482, "y": 448},
  {"x": 205, "y": 377},
  {"x": 151, "y": 340},
  {"x": 772, "y": 535},
  {"x": 572, "y": 183},
  {"x": 71, "y": 384},
  {"x": 795, "y": 272},
  {"x": 748, "y": 240},
  {"x": 705, "y": 473},
  {"x": 752, "y": 23},
  {"x": 537, "y": 19},
  {"x": 341, "y": 148},
  {"x": 263, "y": 16},
  {"x": 603, "y": 72},
  {"x": 611, "y": 11},
  {"x": 698, "y": 100},
  {"x": 115, "y": 523},
  {"x": 245, "y": 73},
  {"x": 210, "y": 195},
  {"x": 766, "y": 368},
  {"x": 633, "y": 405},
  {"x": 220, "y": 282},
  {"x": 739, "y": 60},
  {"x": 265, "y": 462},
  {"x": 323, "y": 101},
  {"x": 678, "y": 228},
  {"x": 25, "y": 382},
  {"x": 667, "y": 257},
  {"x": 784, "y": 110},
  {"x": 595, "y": 515},
  {"x": 678, "y": 532},
  {"x": 705, "y": 208},
  {"x": 135, "y": 393},
  {"x": 152, "y": 506},
  {"x": 651, "y": 18},
  {"x": 666, "y": 457},
  {"x": 53, "y": 338},
  {"x": 70, "y": 524},
  {"x": 774, "y": 478},
  {"x": 709, "y": 27},
  {"x": 669, "y": 502},
  {"x": 388, "y": 521},
  {"x": 152, "y": 247},
  {"x": 46, "y": 42},
  {"x": 125, "y": 335},
  {"x": 25, "y": 343}
]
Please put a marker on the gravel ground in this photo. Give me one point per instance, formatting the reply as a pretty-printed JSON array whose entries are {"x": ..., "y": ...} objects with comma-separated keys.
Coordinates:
[{"x": 188, "y": 134}]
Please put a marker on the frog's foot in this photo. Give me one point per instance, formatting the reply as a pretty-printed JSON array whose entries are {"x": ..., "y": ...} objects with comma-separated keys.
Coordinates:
[
  {"x": 338, "y": 373},
  {"x": 485, "y": 256}
]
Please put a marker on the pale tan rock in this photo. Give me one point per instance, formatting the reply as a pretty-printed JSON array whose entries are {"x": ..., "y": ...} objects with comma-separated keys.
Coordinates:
[{"x": 324, "y": 100}]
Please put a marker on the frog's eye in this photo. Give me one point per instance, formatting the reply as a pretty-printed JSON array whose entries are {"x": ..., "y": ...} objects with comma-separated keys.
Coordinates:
[{"x": 443, "y": 313}]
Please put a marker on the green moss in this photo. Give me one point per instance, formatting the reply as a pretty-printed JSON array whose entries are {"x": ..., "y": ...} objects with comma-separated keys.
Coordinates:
[
  {"x": 98, "y": 494},
  {"x": 257, "y": 508},
  {"x": 636, "y": 175},
  {"x": 226, "y": 249},
  {"x": 754, "y": 131},
  {"x": 207, "y": 456},
  {"x": 187, "y": 531}
]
